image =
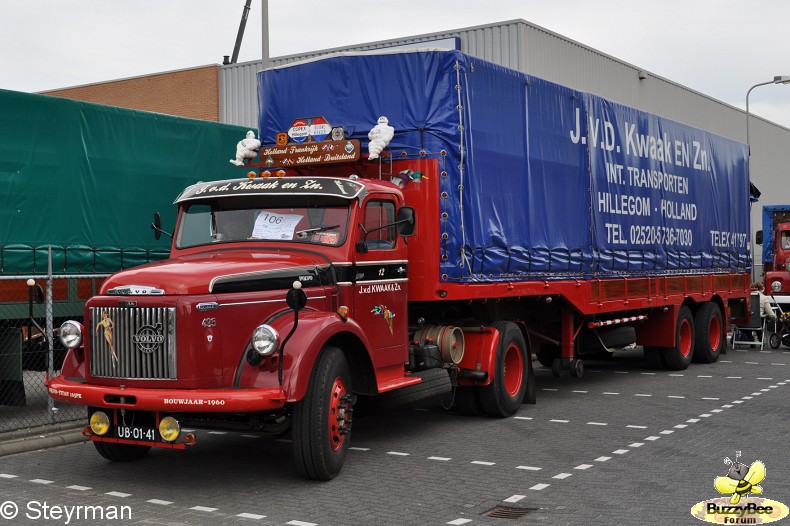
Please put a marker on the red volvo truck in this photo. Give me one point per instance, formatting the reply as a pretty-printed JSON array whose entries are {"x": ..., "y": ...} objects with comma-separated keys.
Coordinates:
[{"x": 491, "y": 217}]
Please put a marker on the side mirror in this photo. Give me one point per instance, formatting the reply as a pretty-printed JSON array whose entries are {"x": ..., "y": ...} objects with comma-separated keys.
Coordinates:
[
  {"x": 405, "y": 221},
  {"x": 758, "y": 238},
  {"x": 156, "y": 226}
]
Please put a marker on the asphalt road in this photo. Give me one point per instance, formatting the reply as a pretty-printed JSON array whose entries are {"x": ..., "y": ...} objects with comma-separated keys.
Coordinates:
[{"x": 622, "y": 445}]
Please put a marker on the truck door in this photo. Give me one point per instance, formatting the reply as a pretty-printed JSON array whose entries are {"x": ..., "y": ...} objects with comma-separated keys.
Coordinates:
[{"x": 380, "y": 287}]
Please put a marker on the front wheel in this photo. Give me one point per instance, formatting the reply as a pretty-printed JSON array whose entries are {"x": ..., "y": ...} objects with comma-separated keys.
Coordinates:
[
  {"x": 322, "y": 419},
  {"x": 121, "y": 452},
  {"x": 775, "y": 341},
  {"x": 503, "y": 396}
]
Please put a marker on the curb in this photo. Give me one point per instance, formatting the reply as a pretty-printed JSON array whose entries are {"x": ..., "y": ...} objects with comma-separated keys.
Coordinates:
[{"x": 32, "y": 440}]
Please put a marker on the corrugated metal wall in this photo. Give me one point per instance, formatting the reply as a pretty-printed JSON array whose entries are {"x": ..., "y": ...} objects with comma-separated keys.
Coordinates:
[{"x": 519, "y": 45}]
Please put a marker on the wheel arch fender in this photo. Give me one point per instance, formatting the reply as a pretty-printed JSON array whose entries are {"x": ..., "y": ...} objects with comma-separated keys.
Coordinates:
[
  {"x": 315, "y": 331},
  {"x": 480, "y": 348}
]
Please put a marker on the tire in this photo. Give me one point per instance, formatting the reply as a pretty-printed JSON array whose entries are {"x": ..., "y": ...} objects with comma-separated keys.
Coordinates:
[
  {"x": 121, "y": 452},
  {"x": 503, "y": 396},
  {"x": 775, "y": 341},
  {"x": 614, "y": 337},
  {"x": 654, "y": 356},
  {"x": 321, "y": 420},
  {"x": 435, "y": 382},
  {"x": 679, "y": 357},
  {"x": 467, "y": 401},
  {"x": 546, "y": 354},
  {"x": 709, "y": 329}
]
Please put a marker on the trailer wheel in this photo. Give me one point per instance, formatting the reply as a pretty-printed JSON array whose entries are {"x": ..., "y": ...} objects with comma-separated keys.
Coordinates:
[
  {"x": 503, "y": 396},
  {"x": 121, "y": 452},
  {"x": 322, "y": 419},
  {"x": 679, "y": 357},
  {"x": 775, "y": 341},
  {"x": 709, "y": 329},
  {"x": 467, "y": 401},
  {"x": 577, "y": 368}
]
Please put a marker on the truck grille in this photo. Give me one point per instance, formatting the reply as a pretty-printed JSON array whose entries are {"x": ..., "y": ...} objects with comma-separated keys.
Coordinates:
[{"x": 143, "y": 341}]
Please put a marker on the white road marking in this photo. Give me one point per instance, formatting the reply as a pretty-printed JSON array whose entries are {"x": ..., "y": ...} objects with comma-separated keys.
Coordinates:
[
  {"x": 549, "y": 389},
  {"x": 642, "y": 394},
  {"x": 203, "y": 508},
  {"x": 515, "y": 498},
  {"x": 602, "y": 459},
  {"x": 692, "y": 420},
  {"x": 608, "y": 393},
  {"x": 41, "y": 481},
  {"x": 681, "y": 426},
  {"x": 529, "y": 468},
  {"x": 302, "y": 523},
  {"x": 675, "y": 396},
  {"x": 753, "y": 363},
  {"x": 79, "y": 488},
  {"x": 704, "y": 376},
  {"x": 649, "y": 374},
  {"x": 217, "y": 432},
  {"x": 737, "y": 401},
  {"x": 398, "y": 453},
  {"x": 621, "y": 451},
  {"x": 765, "y": 378},
  {"x": 583, "y": 392},
  {"x": 359, "y": 448},
  {"x": 7, "y": 476},
  {"x": 778, "y": 364},
  {"x": 725, "y": 361},
  {"x": 561, "y": 476},
  {"x": 651, "y": 438},
  {"x": 442, "y": 459},
  {"x": 666, "y": 432},
  {"x": 560, "y": 421},
  {"x": 458, "y": 522},
  {"x": 733, "y": 377},
  {"x": 538, "y": 487},
  {"x": 716, "y": 410},
  {"x": 675, "y": 374},
  {"x": 118, "y": 494},
  {"x": 620, "y": 372},
  {"x": 727, "y": 406},
  {"x": 710, "y": 398},
  {"x": 583, "y": 466},
  {"x": 636, "y": 444},
  {"x": 251, "y": 516},
  {"x": 482, "y": 463},
  {"x": 597, "y": 424},
  {"x": 522, "y": 417},
  {"x": 161, "y": 502},
  {"x": 636, "y": 427},
  {"x": 746, "y": 397},
  {"x": 705, "y": 415}
]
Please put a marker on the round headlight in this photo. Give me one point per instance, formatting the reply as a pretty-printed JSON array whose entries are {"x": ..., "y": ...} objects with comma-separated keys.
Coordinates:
[
  {"x": 169, "y": 429},
  {"x": 776, "y": 286},
  {"x": 100, "y": 423},
  {"x": 265, "y": 340},
  {"x": 71, "y": 334}
]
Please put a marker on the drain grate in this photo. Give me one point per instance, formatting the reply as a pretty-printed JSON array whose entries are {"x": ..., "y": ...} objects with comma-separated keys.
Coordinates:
[{"x": 506, "y": 512}]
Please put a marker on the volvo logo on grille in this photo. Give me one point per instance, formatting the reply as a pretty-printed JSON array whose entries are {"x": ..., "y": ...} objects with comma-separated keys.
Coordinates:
[{"x": 148, "y": 338}]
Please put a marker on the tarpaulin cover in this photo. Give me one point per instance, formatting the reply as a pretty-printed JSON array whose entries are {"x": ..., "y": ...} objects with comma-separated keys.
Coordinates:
[
  {"x": 86, "y": 179},
  {"x": 544, "y": 181}
]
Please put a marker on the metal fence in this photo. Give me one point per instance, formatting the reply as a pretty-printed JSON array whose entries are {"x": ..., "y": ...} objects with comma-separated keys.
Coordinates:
[{"x": 30, "y": 348}]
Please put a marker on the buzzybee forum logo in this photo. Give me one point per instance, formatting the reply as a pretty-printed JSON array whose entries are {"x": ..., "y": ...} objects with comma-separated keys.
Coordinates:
[{"x": 739, "y": 506}]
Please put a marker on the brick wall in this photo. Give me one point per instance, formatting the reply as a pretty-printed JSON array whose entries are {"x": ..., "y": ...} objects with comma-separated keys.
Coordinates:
[{"x": 190, "y": 93}]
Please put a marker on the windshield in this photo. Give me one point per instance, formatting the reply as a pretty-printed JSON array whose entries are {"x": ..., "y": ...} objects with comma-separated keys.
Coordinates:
[{"x": 303, "y": 219}]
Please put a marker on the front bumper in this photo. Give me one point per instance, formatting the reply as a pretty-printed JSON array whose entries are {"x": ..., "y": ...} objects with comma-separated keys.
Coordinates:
[{"x": 167, "y": 400}]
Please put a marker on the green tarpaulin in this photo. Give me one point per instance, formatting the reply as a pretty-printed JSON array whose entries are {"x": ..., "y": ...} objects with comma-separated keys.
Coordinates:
[{"x": 86, "y": 180}]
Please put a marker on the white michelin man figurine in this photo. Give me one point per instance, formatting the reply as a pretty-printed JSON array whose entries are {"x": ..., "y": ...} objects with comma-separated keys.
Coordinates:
[
  {"x": 380, "y": 136},
  {"x": 246, "y": 149}
]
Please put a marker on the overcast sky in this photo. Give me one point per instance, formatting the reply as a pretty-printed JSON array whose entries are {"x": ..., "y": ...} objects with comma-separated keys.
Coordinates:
[{"x": 717, "y": 47}]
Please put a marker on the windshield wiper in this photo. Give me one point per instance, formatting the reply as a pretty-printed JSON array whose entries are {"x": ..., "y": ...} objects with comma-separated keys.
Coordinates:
[{"x": 305, "y": 232}]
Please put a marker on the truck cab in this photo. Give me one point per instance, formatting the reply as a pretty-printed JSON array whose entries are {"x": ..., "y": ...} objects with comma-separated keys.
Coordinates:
[{"x": 780, "y": 271}]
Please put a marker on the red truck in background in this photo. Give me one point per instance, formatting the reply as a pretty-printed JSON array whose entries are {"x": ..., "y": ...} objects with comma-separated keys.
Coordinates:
[
  {"x": 467, "y": 247},
  {"x": 775, "y": 240}
]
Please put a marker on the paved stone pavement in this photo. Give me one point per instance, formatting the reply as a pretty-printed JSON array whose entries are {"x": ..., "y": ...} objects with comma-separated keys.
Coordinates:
[{"x": 622, "y": 445}]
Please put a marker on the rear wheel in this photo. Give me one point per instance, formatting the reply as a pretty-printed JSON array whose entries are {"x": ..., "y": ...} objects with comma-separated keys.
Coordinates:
[
  {"x": 709, "y": 330},
  {"x": 322, "y": 419},
  {"x": 503, "y": 396},
  {"x": 679, "y": 357}
]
